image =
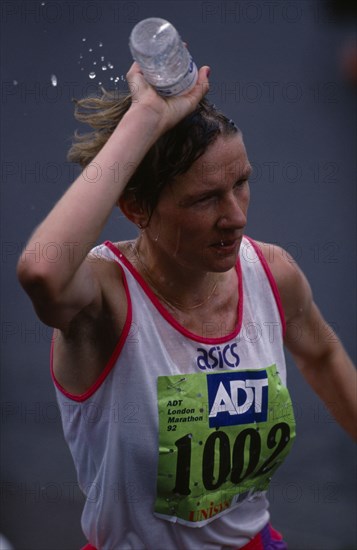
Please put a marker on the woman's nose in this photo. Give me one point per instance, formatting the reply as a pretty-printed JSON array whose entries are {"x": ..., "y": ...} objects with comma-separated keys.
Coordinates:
[{"x": 233, "y": 214}]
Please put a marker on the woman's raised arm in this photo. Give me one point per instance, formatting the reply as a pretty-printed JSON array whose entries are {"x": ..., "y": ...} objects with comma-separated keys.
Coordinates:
[{"x": 59, "y": 290}]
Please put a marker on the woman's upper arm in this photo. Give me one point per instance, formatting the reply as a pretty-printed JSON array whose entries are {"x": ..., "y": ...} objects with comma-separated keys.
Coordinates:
[
  {"x": 308, "y": 336},
  {"x": 83, "y": 292}
]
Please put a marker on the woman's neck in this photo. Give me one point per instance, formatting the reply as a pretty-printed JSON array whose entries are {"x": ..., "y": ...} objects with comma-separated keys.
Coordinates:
[{"x": 179, "y": 288}]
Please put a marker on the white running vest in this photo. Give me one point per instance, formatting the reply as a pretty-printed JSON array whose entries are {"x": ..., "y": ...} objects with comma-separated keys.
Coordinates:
[{"x": 175, "y": 444}]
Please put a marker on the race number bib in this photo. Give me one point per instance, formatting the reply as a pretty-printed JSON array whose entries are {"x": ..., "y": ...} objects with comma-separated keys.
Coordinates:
[{"x": 221, "y": 437}]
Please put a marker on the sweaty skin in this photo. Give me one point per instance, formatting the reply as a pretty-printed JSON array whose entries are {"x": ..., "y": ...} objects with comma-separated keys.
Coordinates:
[{"x": 181, "y": 256}]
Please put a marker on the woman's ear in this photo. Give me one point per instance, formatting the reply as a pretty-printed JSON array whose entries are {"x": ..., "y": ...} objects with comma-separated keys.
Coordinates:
[{"x": 133, "y": 211}]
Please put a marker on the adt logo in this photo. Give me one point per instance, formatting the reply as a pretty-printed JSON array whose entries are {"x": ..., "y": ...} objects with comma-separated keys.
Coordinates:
[
  {"x": 237, "y": 398},
  {"x": 218, "y": 357}
]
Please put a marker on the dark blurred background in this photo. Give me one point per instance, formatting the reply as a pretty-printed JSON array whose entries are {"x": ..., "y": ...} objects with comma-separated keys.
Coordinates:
[{"x": 285, "y": 71}]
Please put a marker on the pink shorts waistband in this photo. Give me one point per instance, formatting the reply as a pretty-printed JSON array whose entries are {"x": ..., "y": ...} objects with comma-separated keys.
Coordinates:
[{"x": 267, "y": 539}]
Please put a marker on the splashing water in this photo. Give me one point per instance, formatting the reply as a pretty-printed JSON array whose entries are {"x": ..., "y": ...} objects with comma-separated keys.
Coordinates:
[
  {"x": 94, "y": 65},
  {"x": 54, "y": 80}
]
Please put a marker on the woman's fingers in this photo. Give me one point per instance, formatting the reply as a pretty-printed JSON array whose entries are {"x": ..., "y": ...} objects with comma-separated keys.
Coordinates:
[
  {"x": 202, "y": 84},
  {"x": 136, "y": 81},
  {"x": 167, "y": 111},
  {"x": 134, "y": 69}
]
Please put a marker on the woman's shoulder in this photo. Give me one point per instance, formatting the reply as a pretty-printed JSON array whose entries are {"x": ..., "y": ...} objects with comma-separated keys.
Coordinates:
[{"x": 292, "y": 284}]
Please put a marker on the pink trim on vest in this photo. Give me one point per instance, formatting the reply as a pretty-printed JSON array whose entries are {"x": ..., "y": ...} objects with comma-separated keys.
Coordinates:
[
  {"x": 274, "y": 286},
  {"x": 109, "y": 366},
  {"x": 169, "y": 318}
]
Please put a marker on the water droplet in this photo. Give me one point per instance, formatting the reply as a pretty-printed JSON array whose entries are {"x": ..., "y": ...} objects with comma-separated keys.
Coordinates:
[
  {"x": 82, "y": 68},
  {"x": 43, "y": 3},
  {"x": 15, "y": 82},
  {"x": 102, "y": 58},
  {"x": 104, "y": 68},
  {"x": 80, "y": 56},
  {"x": 112, "y": 78},
  {"x": 101, "y": 44},
  {"x": 54, "y": 80},
  {"x": 84, "y": 39},
  {"x": 92, "y": 75},
  {"x": 110, "y": 65},
  {"x": 90, "y": 49},
  {"x": 99, "y": 83}
]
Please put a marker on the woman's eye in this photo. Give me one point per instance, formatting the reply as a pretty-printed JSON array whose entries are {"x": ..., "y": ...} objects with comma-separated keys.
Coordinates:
[
  {"x": 240, "y": 183},
  {"x": 206, "y": 199}
]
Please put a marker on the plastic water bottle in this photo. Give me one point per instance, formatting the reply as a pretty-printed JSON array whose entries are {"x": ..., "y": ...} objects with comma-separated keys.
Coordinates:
[{"x": 165, "y": 61}]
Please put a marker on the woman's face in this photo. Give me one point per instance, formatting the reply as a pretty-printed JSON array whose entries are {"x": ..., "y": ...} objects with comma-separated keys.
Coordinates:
[{"x": 199, "y": 220}]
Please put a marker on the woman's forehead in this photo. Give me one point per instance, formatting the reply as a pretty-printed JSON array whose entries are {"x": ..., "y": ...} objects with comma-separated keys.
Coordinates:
[
  {"x": 227, "y": 155},
  {"x": 224, "y": 163}
]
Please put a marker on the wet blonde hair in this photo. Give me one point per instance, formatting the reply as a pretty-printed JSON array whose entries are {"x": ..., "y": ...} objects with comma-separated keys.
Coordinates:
[
  {"x": 103, "y": 114},
  {"x": 172, "y": 154}
]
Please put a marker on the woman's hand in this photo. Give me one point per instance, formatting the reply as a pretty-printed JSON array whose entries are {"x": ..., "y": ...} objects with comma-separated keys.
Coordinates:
[{"x": 161, "y": 112}]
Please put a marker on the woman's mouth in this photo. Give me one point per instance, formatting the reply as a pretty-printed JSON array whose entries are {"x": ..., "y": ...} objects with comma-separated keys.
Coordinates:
[{"x": 226, "y": 246}]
